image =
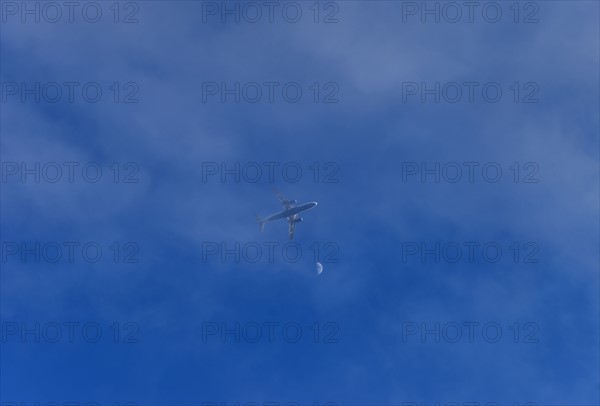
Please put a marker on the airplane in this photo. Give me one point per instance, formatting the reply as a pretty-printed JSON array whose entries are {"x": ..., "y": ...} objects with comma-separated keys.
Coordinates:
[{"x": 291, "y": 212}]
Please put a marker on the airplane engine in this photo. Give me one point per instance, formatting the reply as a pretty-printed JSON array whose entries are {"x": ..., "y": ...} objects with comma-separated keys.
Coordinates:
[
  {"x": 299, "y": 220},
  {"x": 290, "y": 202}
]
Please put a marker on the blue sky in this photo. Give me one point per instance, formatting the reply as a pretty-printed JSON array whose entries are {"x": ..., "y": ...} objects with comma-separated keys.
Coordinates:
[{"x": 373, "y": 292}]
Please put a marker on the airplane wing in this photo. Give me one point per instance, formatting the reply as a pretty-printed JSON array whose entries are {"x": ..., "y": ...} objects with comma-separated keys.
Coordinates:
[
  {"x": 292, "y": 224},
  {"x": 287, "y": 204}
]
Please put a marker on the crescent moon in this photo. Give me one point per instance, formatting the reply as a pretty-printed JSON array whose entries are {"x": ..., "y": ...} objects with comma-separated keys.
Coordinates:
[{"x": 319, "y": 268}]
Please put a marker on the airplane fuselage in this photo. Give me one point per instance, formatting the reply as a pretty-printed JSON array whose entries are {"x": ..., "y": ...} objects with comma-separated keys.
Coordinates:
[{"x": 292, "y": 211}]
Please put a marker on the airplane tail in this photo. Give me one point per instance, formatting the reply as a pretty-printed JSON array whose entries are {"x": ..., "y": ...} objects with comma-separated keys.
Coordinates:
[{"x": 261, "y": 222}]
